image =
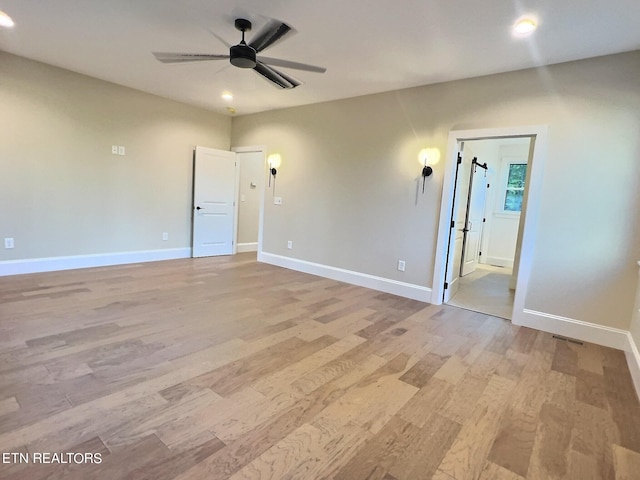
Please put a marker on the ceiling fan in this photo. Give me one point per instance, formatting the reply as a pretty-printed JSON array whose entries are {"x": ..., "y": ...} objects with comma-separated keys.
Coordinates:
[{"x": 246, "y": 55}]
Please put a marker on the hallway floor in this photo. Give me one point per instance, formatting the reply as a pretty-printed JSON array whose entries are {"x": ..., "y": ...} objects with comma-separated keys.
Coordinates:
[{"x": 486, "y": 291}]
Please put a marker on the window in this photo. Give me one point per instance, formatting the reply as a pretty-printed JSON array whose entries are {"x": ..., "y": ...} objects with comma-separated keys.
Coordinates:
[{"x": 515, "y": 187}]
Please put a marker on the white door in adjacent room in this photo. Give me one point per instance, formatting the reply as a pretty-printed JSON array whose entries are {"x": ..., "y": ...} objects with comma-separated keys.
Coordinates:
[
  {"x": 475, "y": 214},
  {"x": 215, "y": 178}
]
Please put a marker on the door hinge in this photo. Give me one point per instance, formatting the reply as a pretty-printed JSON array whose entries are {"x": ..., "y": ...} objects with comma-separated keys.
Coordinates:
[
  {"x": 446, "y": 285},
  {"x": 479, "y": 253},
  {"x": 488, "y": 184},
  {"x": 453, "y": 224},
  {"x": 459, "y": 158},
  {"x": 484, "y": 220}
]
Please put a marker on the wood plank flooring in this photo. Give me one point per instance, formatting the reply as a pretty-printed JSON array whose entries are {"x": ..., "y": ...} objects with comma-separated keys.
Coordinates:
[{"x": 227, "y": 368}]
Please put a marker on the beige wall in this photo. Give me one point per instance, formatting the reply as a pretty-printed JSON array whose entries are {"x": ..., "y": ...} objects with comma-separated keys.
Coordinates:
[
  {"x": 62, "y": 192},
  {"x": 349, "y": 179}
]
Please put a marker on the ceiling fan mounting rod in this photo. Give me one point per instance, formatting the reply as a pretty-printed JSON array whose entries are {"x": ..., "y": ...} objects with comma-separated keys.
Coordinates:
[{"x": 243, "y": 25}]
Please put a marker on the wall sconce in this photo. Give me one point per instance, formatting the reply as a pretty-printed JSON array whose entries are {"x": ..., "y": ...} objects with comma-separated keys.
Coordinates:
[
  {"x": 274, "y": 161},
  {"x": 428, "y": 157}
]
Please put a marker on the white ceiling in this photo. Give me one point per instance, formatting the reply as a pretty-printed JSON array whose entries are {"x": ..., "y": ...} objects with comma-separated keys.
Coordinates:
[{"x": 367, "y": 46}]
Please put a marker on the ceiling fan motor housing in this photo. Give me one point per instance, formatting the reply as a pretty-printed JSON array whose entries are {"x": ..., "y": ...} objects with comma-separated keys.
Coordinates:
[{"x": 242, "y": 56}]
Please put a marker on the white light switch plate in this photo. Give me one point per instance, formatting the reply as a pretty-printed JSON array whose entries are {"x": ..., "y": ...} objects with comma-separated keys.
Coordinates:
[
  {"x": 8, "y": 242},
  {"x": 120, "y": 150},
  {"x": 277, "y": 200}
]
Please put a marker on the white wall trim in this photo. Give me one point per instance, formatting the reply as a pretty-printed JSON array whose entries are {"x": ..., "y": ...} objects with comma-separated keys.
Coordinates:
[
  {"x": 633, "y": 360},
  {"x": 569, "y": 327},
  {"x": 53, "y": 264},
  {"x": 499, "y": 261},
  {"x": 394, "y": 287},
  {"x": 248, "y": 247}
]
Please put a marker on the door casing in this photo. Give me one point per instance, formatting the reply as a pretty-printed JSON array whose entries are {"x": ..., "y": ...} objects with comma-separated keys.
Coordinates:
[{"x": 530, "y": 210}]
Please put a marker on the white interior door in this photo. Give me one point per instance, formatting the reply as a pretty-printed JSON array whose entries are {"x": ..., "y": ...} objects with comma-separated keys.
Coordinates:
[
  {"x": 475, "y": 213},
  {"x": 215, "y": 178}
]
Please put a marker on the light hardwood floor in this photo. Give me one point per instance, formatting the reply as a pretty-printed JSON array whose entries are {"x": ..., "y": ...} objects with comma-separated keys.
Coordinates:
[{"x": 228, "y": 368}]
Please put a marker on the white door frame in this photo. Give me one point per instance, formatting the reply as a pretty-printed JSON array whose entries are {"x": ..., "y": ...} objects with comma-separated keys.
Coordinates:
[
  {"x": 530, "y": 226},
  {"x": 261, "y": 149}
]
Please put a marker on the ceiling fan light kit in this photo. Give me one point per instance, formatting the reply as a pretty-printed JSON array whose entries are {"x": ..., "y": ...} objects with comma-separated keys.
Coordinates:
[{"x": 245, "y": 55}]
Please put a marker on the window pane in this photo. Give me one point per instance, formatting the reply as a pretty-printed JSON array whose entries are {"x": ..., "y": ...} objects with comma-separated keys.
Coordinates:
[
  {"x": 515, "y": 187},
  {"x": 513, "y": 200},
  {"x": 517, "y": 175}
]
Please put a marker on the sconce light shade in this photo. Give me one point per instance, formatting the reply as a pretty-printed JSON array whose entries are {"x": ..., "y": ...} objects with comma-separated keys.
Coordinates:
[
  {"x": 428, "y": 157},
  {"x": 274, "y": 161}
]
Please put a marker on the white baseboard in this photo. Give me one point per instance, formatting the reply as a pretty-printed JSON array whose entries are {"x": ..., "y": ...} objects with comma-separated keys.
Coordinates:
[
  {"x": 386, "y": 285},
  {"x": 568, "y": 327},
  {"x": 633, "y": 360},
  {"x": 499, "y": 262},
  {"x": 52, "y": 264},
  {"x": 247, "y": 247}
]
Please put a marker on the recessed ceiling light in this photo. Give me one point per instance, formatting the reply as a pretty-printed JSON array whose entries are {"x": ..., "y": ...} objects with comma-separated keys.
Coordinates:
[
  {"x": 231, "y": 110},
  {"x": 227, "y": 96},
  {"x": 524, "y": 26},
  {"x": 5, "y": 20}
]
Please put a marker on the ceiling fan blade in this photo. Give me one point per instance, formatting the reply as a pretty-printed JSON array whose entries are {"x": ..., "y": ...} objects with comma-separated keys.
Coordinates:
[
  {"x": 292, "y": 80},
  {"x": 277, "y": 78},
  {"x": 288, "y": 64},
  {"x": 222, "y": 40},
  {"x": 273, "y": 32},
  {"x": 167, "y": 57}
]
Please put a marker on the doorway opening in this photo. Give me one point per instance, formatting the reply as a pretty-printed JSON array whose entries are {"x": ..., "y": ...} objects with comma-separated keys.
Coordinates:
[
  {"x": 487, "y": 207},
  {"x": 488, "y": 219},
  {"x": 251, "y": 197}
]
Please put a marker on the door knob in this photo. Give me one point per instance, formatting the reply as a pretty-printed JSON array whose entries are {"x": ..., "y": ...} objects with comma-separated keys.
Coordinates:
[{"x": 198, "y": 208}]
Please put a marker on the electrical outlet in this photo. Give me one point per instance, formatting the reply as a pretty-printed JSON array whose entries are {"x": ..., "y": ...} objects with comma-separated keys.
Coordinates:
[
  {"x": 277, "y": 200},
  {"x": 401, "y": 265},
  {"x": 121, "y": 150},
  {"x": 290, "y": 244},
  {"x": 114, "y": 149},
  {"x": 165, "y": 236},
  {"x": 8, "y": 242}
]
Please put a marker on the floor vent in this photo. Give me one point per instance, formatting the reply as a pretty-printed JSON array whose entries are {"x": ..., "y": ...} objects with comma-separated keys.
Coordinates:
[{"x": 570, "y": 340}]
